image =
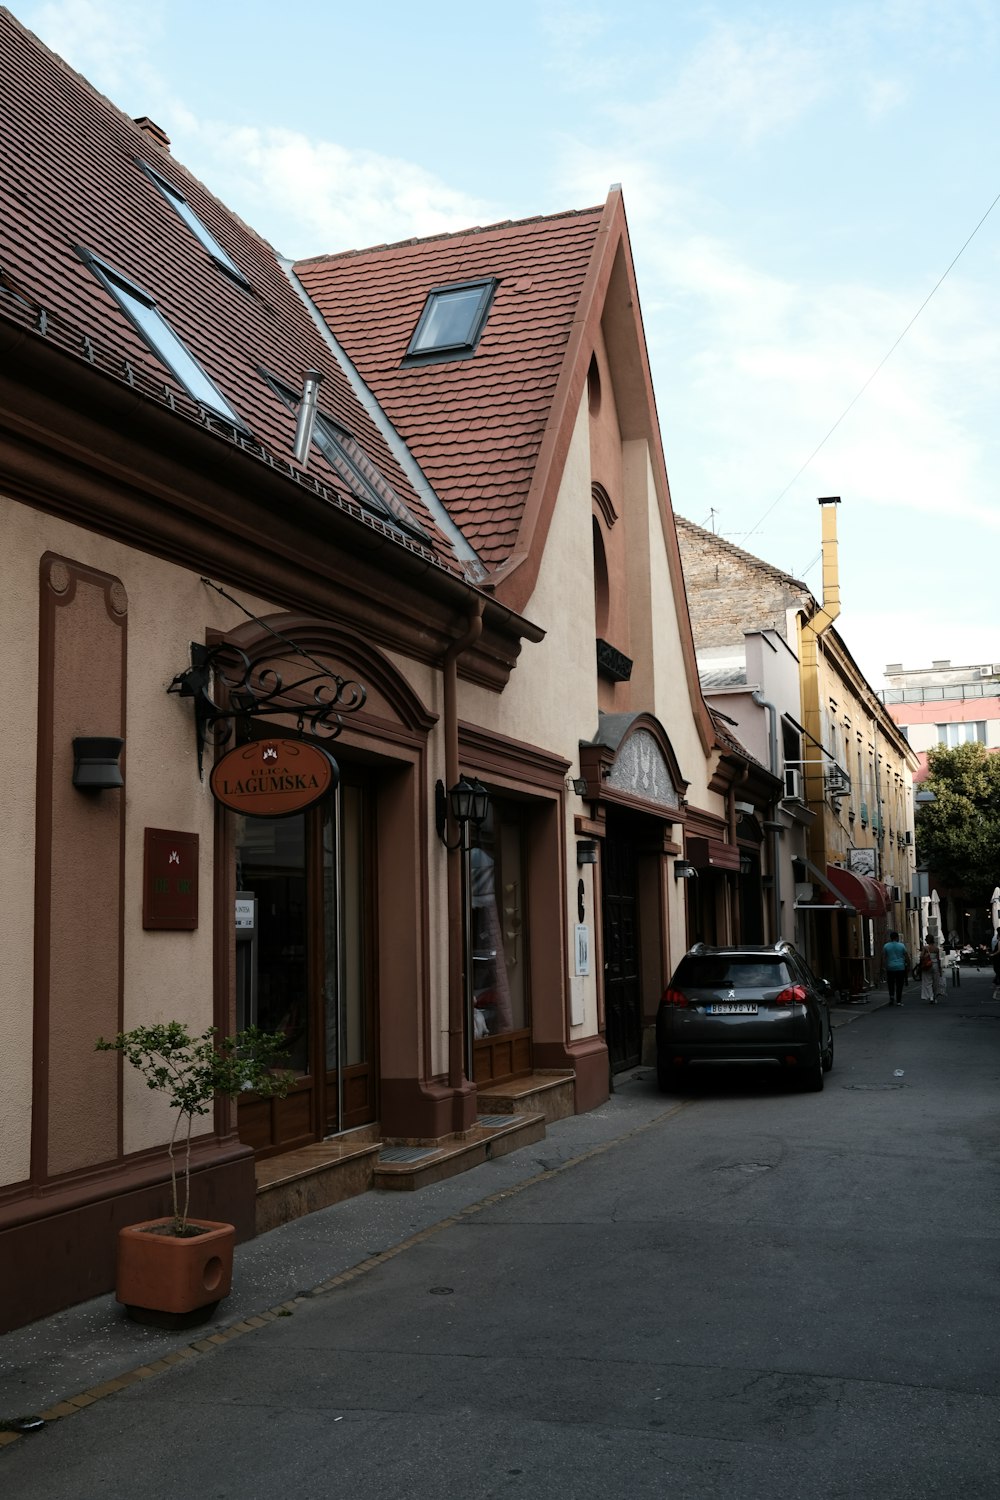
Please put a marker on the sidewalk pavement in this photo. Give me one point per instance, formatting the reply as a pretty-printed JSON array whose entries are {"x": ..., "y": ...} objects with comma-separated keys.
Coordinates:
[{"x": 63, "y": 1363}]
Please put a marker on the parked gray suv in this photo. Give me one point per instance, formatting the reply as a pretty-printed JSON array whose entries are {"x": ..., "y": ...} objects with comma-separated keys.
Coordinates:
[{"x": 744, "y": 1005}]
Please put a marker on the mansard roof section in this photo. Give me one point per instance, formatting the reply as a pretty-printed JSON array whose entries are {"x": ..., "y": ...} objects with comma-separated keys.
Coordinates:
[
  {"x": 476, "y": 417},
  {"x": 77, "y": 201}
]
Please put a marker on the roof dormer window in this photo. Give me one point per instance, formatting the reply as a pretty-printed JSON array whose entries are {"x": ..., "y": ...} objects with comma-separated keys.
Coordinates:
[
  {"x": 182, "y": 207},
  {"x": 142, "y": 311},
  {"x": 452, "y": 321}
]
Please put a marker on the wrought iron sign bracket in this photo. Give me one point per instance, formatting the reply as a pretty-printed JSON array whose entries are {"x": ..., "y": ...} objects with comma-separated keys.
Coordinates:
[{"x": 230, "y": 693}]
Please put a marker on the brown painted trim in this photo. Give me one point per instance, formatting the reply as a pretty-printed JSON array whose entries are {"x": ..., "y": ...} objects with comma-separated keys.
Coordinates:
[
  {"x": 83, "y": 455},
  {"x": 705, "y": 824},
  {"x": 515, "y": 580},
  {"x": 25, "y": 1202},
  {"x": 59, "y": 578},
  {"x": 65, "y": 1251},
  {"x": 499, "y": 756}
]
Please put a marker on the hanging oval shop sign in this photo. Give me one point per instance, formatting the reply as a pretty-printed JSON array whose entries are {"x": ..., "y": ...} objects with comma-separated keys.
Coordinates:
[{"x": 273, "y": 778}]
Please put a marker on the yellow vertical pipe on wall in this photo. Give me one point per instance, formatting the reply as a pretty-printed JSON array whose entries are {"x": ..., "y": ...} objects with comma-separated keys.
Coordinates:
[{"x": 810, "y": 631}]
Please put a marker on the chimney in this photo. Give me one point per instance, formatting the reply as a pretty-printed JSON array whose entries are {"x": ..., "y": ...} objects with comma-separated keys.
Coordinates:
[
  {"x": 155, "y": 132},
  {"x": 831, "y": 566}
]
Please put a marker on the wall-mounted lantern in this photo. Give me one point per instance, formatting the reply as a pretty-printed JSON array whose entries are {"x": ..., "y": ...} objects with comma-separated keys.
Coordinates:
[
  {"x": 95, "y": 763},
  {"x": 586, "y": 852},
  {"x": 468, "y": 802},
  {"x": 684, "y": 870}
]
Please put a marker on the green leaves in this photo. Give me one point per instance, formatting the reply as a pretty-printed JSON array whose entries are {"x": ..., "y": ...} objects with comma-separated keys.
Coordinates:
[
  {"x": 958, "y": 835},
  {"x": 193, "y": 1070}
]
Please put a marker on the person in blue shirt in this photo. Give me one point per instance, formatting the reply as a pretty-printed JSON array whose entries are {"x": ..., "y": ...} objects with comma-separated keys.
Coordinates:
[{"x": 896, "y": 962}]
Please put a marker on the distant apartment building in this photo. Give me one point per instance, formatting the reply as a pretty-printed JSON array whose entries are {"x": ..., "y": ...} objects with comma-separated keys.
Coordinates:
[{"x": 944, "y": 705}]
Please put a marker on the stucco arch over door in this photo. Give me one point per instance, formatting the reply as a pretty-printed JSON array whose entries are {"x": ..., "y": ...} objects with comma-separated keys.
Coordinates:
[
  {"x": 631, "y": 761},
  {"x": 383, "y": 751},
  {"x": 637, "y": 792}
]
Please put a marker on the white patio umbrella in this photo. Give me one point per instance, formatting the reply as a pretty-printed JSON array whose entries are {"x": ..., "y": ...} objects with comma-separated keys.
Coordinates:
[
  {"x": 934, "y": 916},
  {"x": 995, "y": 909}
]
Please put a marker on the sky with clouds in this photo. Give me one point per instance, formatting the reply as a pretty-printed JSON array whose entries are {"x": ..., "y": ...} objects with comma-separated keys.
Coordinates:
[{"x": 799, "y": 179}]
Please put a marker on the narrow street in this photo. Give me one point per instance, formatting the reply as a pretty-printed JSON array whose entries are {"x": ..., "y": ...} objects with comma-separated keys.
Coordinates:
[{"x": 757, "y": 1293}]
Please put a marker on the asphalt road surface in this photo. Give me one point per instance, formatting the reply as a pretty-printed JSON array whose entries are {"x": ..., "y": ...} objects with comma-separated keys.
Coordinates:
[{"x": 763, "y": 1293}]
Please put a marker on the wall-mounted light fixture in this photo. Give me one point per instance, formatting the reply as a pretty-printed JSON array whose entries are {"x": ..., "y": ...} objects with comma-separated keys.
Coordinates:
[
  {"x": 580, "y": 786},
  {"x": 468, "y": 802},
  {"x": 746, "y": 864},
  {"x": 95, "y": 764},
  {"x": 684, "y": 870},
  {"x": 586, "y": 852},
  {"x": 745, "y": 809}
]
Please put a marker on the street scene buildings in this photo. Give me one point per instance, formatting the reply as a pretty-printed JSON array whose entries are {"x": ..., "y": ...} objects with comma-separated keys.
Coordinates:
[{"x": 409, "y": 505}]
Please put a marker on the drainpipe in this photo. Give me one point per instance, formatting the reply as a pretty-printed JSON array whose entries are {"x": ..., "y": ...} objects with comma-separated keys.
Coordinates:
[
  {"x": 758, "y": 697},
  {"x": 456, "y": 868}
]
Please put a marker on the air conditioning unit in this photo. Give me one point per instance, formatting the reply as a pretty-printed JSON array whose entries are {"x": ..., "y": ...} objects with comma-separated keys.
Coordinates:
[
  {"x": 793, "y": 784},
  {"x": 986, "y": 671}
]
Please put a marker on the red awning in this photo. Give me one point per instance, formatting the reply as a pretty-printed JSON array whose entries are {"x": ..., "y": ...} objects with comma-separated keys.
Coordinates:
[{"x": 868, "y": 897}]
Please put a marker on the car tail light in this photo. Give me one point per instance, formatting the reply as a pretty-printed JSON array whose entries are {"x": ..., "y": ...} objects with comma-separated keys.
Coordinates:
[
  {"x": 794, "y": 995},
  {"x": 674, "y": 997}
]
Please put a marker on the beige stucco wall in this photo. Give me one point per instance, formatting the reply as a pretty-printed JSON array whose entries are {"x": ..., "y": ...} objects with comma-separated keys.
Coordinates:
[
  {"x": 167, "y": 975},
  {"x": 551, "y": 699}
]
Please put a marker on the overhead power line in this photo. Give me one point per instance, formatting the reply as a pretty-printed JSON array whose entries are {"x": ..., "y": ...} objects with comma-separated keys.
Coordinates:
[{"x": 757, "y": 525}]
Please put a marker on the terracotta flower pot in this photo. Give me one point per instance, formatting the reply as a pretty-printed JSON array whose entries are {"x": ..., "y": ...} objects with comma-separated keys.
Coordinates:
[{"x": 166, "y": 1278}]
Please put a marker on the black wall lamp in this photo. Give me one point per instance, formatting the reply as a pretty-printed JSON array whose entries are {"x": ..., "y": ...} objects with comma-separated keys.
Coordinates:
[
  {"x": 586, "y": 852},
  {"x": 684, "y": 870},
  {"x": 95, "y": 764},
  {"x": 468, "y": 802}
]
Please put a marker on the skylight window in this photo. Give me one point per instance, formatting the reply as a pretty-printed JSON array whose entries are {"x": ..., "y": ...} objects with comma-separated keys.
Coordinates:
[
  {"x": 452, "y": 321},
  {"x": 349, "y": 460},
  {"x": 158, "y": 334},
  {"x": 181, "y": 206}
]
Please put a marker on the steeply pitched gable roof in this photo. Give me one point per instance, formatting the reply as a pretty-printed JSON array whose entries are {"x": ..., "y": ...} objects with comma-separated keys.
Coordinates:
[
  {"x": 71, "y": 183},
  {"x": 476, "y": 425}
]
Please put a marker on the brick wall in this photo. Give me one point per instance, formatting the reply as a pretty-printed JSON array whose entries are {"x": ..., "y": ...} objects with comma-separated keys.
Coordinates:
[{"x": 730, "y": 591}]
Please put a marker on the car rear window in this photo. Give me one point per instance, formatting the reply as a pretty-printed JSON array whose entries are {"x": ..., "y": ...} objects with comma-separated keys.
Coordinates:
[{"x": 711, "y": 971}]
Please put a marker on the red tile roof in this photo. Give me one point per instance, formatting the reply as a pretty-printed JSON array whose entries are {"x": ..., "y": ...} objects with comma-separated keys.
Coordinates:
[
  {"x": 69, "y": 180},
  {"x": 475, "y": 424}
]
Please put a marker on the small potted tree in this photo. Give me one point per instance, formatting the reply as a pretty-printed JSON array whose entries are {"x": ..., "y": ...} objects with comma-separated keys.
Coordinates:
[{"x": 175, "y": 1270}]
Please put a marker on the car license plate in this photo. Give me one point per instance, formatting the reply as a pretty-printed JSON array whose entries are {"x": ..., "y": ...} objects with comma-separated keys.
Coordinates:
[{"x": 731, "y": 1008}]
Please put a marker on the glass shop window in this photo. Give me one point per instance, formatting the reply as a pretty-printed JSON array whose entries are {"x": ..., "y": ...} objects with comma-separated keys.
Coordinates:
[{"x": 497, "y": 886}]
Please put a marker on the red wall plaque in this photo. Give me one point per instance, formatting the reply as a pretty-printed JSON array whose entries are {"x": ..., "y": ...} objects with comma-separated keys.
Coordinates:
[
  {"x": 273, "y": 778},
  {"x": 170, "y": 880}
]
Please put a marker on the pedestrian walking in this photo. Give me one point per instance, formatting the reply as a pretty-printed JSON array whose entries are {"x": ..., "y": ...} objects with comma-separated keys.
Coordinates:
[
  {"x": 896, "y": 962},
  {"x": 930, "y": 971}
]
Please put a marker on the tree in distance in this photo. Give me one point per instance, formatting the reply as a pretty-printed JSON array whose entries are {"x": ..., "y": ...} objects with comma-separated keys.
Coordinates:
[{"x": 958, "y": 834}]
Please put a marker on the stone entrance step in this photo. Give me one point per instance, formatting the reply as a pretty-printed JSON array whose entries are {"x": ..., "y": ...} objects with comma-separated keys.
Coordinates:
[
  {"x": 406, "y": 1166},
  {"x": 315, "y": 1176},
  {"x": 548, "y": 1093}
]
